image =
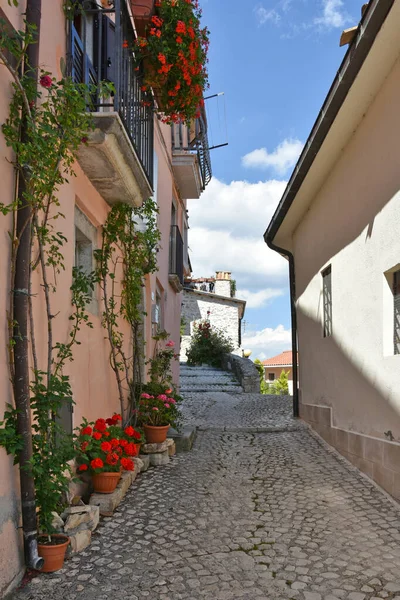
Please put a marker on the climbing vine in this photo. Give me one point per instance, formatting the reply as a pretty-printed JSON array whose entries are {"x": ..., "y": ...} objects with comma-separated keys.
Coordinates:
[
  {"x": 48, "y": 121},
  {"x": 128, "y": 253}
]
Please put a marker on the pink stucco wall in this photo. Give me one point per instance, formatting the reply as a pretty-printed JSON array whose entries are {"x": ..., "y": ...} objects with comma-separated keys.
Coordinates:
[{"x": 93, "y": 382}]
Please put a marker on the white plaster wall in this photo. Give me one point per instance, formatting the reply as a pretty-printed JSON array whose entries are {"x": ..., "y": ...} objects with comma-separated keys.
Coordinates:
[
  {"x": 224, "y": 315},
  {"x": 354, "y": 225}
]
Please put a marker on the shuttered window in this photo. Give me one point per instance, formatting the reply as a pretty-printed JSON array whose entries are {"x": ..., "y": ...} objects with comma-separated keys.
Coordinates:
[
  {"x": 396, "y": 311},
  {"x": 327, "y": 299}
]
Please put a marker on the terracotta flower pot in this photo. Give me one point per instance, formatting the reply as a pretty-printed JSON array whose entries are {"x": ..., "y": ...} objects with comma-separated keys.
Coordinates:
[
  {"x": 142, "y": 11},
  {"x": 155, "y": 435},
  {"x": 137, "y": 447},
  {"x": 53, "y": 554},
  {"x": 105, "y": 483}
]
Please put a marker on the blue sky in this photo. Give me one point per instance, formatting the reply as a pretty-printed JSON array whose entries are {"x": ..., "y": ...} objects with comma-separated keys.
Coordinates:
[{"x": 275, "y": 62}]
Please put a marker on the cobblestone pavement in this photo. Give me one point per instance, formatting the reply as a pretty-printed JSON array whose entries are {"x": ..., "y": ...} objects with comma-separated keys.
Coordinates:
[{"x": 244, "y": 515}]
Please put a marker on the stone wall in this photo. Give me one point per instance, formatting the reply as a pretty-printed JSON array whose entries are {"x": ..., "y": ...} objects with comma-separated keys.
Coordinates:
[
  {"x": 245, "y": 371},
  {"x": 224, "y": 315}
]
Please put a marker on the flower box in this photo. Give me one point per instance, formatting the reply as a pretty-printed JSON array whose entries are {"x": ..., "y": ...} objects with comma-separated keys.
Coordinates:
[{"x": 142, "y": 11}]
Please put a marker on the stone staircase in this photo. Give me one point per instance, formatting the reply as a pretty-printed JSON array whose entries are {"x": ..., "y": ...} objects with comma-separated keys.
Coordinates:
[{"x": 207, "y": 379}]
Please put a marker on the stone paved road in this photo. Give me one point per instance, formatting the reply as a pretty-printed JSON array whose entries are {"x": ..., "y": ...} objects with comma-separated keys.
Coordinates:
[{"x": 244, "y": 515}]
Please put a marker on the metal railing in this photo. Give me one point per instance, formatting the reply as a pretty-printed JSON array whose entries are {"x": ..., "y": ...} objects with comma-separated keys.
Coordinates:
[
  {"x": 102, "y": 49},
  {"x": 194, "y": 138},
  {"x": 176, "y": 253}
]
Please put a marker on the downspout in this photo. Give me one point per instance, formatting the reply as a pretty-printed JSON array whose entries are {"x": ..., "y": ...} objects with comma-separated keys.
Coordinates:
[
  {"x": 292, "y": 286},
  {"x": 21, "y": 320}
]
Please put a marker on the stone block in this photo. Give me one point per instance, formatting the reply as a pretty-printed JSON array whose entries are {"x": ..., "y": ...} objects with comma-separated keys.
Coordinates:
[
  {"x": 94, "y": 518},
  {"x": 183, "y": 439},
  {"x": 373, "y": 450},
  {"x": 171, "y": 447},
  {"x": 80, "y": 540},
  {"x": 159, "y": 459},
  {"x": 144, "y": 458},
  {"x": 77, "y": 518},
  {"x": 154, "y": 448},
  {"x": 139, "y": 464},
  {"x": 57, "y": 523},
  {"x": 107, "y": 503}
]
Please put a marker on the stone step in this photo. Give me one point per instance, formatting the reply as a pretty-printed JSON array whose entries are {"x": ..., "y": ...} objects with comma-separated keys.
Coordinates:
[
  {"x": 231, "y": 389},
  {"x": 207, "y": 379}
]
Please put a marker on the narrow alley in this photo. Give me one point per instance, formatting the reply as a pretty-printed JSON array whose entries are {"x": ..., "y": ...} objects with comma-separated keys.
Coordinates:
[{"x": 260, "y": 508}]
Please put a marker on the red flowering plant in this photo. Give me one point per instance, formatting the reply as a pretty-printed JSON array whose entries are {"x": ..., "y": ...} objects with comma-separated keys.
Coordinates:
[
  {"x": 175, "y": 58},
  {"x": 105, "y": 447}
]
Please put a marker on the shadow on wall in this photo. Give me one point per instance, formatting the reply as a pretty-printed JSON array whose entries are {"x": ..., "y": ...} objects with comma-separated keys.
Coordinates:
[{"x": 362, "y": 410}]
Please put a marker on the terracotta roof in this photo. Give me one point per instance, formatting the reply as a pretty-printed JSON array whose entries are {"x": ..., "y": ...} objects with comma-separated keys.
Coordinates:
[{"x": 282, "y": 360}]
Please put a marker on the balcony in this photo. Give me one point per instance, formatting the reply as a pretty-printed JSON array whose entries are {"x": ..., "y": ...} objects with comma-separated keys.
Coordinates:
[
  {"x": 118, "y": 156},
  {"x": 191, "y": 160},
  {"x": 175, "y": 273}
]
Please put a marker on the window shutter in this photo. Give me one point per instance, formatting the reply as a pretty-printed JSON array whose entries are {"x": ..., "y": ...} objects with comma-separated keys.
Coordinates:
[
  {"x": 327, "y": 297},
  {"x": 109, "y": 64}
]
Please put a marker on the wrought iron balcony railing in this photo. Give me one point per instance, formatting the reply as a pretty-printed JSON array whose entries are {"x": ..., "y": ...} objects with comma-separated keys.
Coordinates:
[
  {"x": 193, "y": 139},
  {"x": 102, "y": 42},
  {"x": 176, "y": 253}
]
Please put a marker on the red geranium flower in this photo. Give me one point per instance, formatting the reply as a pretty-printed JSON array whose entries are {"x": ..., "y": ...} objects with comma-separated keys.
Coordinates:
[
  {"x": 83, "y": 468},
  {"x": 97, "y": 463},
  {"x": 131, "y": 450},
  {"x": 114, "y": 442},
  {"x": 105, "y": 446},
  {"x": 112, "y": 459},
  {"x": 84, "y": 445},
  {"x": 129, "y": 431},
  {"x": 86, "y": 431},
  {"x": 97, "y": 436},
  {"x": 100, "y": 425},
  {"x": 127, "y": 464}
]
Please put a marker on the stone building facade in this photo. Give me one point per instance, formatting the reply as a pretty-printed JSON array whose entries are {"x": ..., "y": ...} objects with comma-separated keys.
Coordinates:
[{"x": 212, "y": 298}]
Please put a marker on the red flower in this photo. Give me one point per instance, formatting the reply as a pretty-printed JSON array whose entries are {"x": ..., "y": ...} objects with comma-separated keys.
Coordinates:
[
  {"x": 123, "y": 443},
  {"x": 131, "y": 450},
  {"x": 97, "y": 463},
  {"x": 114, "y": 442},
  {"x": 97, "y": 436},
  {"x": 46, "y": 81},
  {"x": 112, "y": 459},
  {"x": 100, "y": 425},
  {"x": 179, "y": 40},
  {"x": 168, "y": 391},
  {"x": 180, "y": 27},
  {"x": 83, "y": 468},
  {"x": 129, "y": 431},
  {"x": 86, "y": 431},
  {"x": 105, "y": 446},
  {"x": 106, "y": 434},
  {"x": 84, "y": 445},
  {"x": 136, "y": 435},
  {"x": 127, "y": 464}
]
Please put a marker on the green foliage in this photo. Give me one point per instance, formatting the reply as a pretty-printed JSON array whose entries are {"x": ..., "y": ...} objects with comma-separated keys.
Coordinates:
[
  {"x": 56, "y": 122},
  {"x": 129, "y": 248},
  {"x": 281, "y": 385},
  {"x": 207, "y": 345},
  {"x": 160, "y": 364},
  {"x": 159, "y": 406},
  {"x": 233, "y": 288}
]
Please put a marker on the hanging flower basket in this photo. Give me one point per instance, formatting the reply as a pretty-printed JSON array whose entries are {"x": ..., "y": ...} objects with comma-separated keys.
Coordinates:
[
  {"x": 142, "y": 11},
  {"x": 174, "y": 50}
]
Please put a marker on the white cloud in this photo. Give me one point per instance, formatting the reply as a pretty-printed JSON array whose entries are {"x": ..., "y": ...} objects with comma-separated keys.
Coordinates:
[
  {"x": 252, "y": 263},
  {"x": 280, "y": 160},
  {"x": 263, "y": 15},
  {"x": 268, "y": 342},
  {"x": 260, "y": 298},
  {"x": 226, "y": 233},
  {"x": 333, "y": 15}
]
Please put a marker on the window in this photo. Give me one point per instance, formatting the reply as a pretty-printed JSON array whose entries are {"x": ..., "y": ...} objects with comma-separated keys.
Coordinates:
[
  {"x": 396, "y": 312},
  {"x": 327, "y": 299},
  {"x": 85, "y": 244},
  {"x": 271, "y": 376},
  {"x": 158, "y": 313}
]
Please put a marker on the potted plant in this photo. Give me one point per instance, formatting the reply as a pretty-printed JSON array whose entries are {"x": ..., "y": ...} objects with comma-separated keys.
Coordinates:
[
  {"x": 174, "y": 51},
  {"x": 157, "y": 412},
  {"x": 53, "y": 451},
  {"x": 105, "y": 449}
]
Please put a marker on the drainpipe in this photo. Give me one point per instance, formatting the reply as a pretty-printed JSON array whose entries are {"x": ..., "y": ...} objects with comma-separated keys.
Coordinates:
[
  {"x": 292, "y": 285},
  {"x": 21, "y": 332}
]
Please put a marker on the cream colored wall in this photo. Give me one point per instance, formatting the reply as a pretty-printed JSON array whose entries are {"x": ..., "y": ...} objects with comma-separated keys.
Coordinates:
[{"x": 353, "y": 224}]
